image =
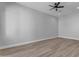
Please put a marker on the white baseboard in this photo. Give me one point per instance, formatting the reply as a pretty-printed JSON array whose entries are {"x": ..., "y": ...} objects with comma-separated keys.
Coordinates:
[
  {"x": 69, "y": 37},
  {"x": 24, "y": 43}
]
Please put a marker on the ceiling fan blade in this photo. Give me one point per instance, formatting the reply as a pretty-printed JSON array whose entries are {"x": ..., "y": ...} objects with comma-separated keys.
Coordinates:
[
  {"x": 55, "y": 3},
  {"x": 60, "y": 7},
  {"x": 51, "y": 6},
  {"x": 58, "y": 3}
]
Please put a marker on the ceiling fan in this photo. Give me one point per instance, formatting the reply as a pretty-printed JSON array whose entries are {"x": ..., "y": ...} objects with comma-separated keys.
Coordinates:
[{"x": 56, "y": 6}]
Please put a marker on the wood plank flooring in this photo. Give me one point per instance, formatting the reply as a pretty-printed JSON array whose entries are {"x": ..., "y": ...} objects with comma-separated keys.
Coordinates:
[{"x": 57, "y": 47}]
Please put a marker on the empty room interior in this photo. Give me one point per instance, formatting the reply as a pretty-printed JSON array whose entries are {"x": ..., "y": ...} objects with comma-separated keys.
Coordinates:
[{"x": 39, "y": 29}]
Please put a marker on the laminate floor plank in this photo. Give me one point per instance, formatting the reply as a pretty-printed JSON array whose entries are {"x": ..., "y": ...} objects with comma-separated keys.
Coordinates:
[{"x": 57, "y": 47}]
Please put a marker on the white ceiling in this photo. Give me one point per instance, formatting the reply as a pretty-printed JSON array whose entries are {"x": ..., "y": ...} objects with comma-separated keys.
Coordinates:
[{"x": 69, "y": 7}]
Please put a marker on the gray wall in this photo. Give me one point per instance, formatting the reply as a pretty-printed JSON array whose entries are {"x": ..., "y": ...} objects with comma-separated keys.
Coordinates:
[
  {"x": 24, "y": 24},
  {"x": 2, "y": 24},
  {"x": 69, "y": 26}
]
